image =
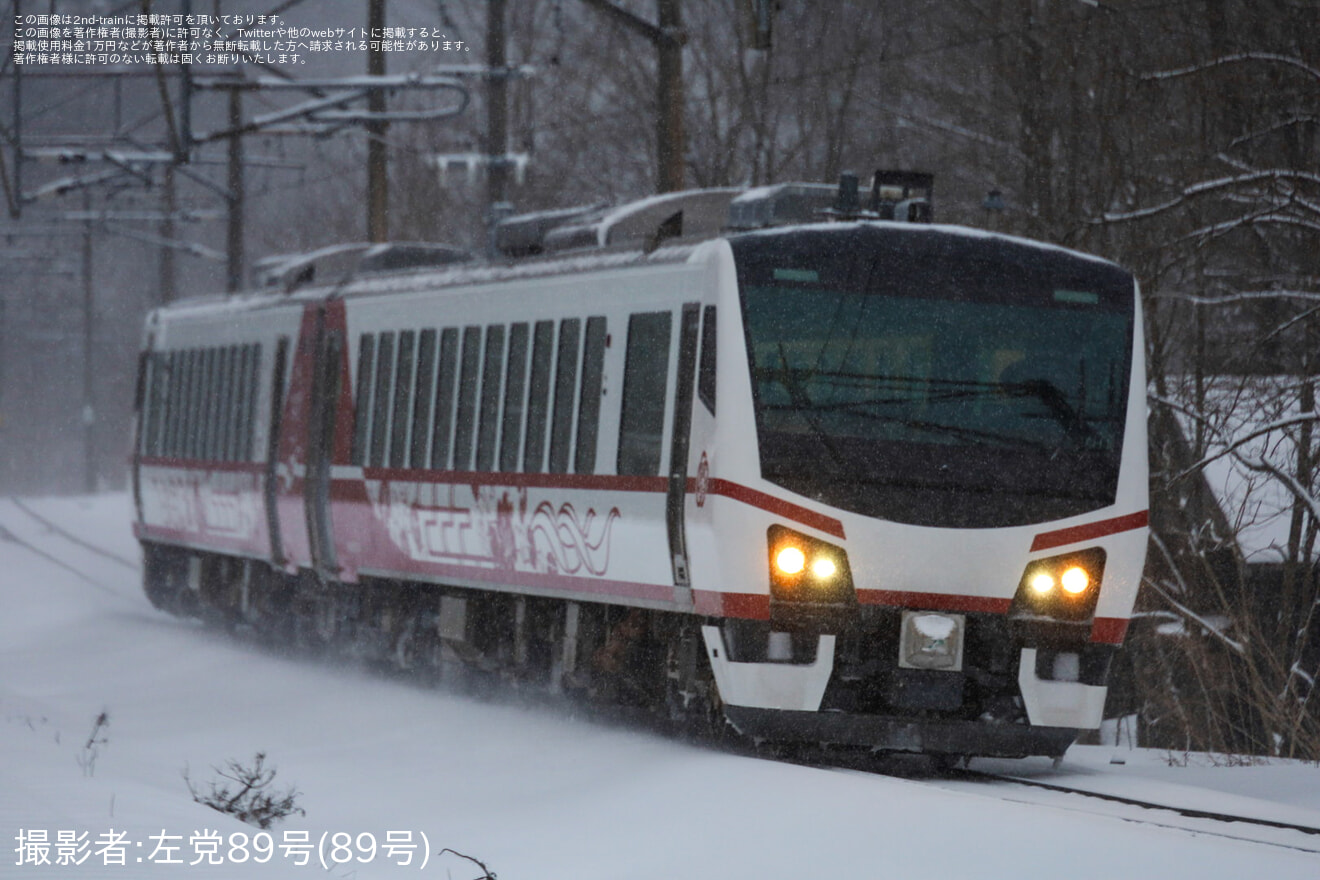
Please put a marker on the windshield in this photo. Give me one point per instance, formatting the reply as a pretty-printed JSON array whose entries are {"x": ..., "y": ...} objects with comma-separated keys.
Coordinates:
[{"x": 936, "y": 379}]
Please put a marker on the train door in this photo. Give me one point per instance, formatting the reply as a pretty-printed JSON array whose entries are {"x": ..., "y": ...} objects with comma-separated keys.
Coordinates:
[
  {"x": 278, "y": 370},
  {"x": 676, "y": 499},
  {"x": 321, "y": 436}
]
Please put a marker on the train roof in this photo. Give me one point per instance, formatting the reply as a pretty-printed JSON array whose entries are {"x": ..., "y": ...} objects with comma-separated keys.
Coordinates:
[{"x": 659, "y": 230}]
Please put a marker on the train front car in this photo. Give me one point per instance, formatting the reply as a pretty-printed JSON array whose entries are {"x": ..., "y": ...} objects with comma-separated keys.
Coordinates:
[{"x": 963, "y": 416}]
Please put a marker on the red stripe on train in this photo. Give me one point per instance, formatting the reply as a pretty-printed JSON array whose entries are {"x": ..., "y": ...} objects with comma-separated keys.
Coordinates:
[
  {"x": 777, "y": 506},
  {"x": 1091, "y": 531},
  {"x": 935, "y": 601},
  {"x": 1109, "y": 630}
]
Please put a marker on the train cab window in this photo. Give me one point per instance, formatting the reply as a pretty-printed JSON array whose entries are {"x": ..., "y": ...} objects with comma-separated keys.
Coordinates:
[
  {"x": 561, "y": 426},
  {"x": 380, "y": 403},
  {"x": 421, "y": 415},
  {"x": 645, "y": 374},
  {"x": 491, "y": 373},
  {"x": 403, "y": 394},
  {"x": 538, "y": 397},
  {"x": 515, "y": 384},
  {"x": 444, "y": 397},
  {"x": 469, "y": 379},
  {"x": 593, "y": 376},
  {"x": 362, "y": 397},
  {"x": 706, "y": 369}
]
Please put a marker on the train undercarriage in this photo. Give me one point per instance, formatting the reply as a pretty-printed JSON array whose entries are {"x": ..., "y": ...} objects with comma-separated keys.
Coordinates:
[{"x": 648, "y": 662}]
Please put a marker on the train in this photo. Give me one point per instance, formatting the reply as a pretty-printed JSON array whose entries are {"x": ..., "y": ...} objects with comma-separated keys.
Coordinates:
[{"x": 766, "y": 463}]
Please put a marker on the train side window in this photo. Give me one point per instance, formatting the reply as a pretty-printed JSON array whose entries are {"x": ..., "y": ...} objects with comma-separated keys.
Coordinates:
[
  {"x": 233, "y": 378},
  {"x": 491, "y": 374},
  {"x": 220, "y": 385},
  {"x": 247, "y": 390},
  {"x": 206, "y": 395},
  {"x": 515, "y": 385},
  {"x": 706, "y": 373},
  {"x": 247, "y": 401},
  {"x": 215, "y": 411},
  {"x": 142, "y": 400},
  {"x": 561, "y": 425},
  {"x": 194, "y": 429},
  {"x": 240, "y": 444},
  {"x": 538, "y": 397},
  {"x": 593, "y": 378},
  {"x": 231, "y": 422},
  {"x": 403, "y": 385},
  {"x": 201, "y": 381},
  {"x": 148, "y": 410},
  {"x": 380, "y": 403},
  {"x": 362, "y": 398},
  {"x": 187, "y": 404},
  {"x": 468, "y": 380},
  {"x": 425, "y": 384},
  {"x": 645, "y": 373},
  {"x": 173, "y": 405},
  {"x": 169, "y": 390},
  {"x": 202, "y": 399},
  {"x": 444, "y": 398}
]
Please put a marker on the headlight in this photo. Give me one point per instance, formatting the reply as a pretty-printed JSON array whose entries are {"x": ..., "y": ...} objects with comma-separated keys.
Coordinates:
[
  {"x": 1075, "y": 580},
  {"x": 1061, "y": 587},
  {"x": 805, "y": 569},
  {"x": 790, "y": 560}
]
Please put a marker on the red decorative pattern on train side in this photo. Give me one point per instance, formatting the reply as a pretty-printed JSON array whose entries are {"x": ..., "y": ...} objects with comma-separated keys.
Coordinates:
[
  {"x": 491, "y": 528},
  {"x": 1109, "y": 630},
  {"x": 1090, "y": 531},
  {"x": 610, "y": 483},
  {"x": 210, "y": 504}
]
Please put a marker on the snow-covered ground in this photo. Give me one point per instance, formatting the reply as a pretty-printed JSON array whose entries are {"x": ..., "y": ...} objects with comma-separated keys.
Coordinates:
[{"x": 532, "y": 792}]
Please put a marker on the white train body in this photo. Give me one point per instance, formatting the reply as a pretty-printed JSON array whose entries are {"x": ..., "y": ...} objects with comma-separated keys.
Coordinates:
[{"x": 542, "y": 465}]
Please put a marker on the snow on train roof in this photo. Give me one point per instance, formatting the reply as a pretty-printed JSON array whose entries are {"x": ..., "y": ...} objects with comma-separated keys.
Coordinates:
[
  {"x": 410, "y": 280},
  {"x": 463, "y": 274},
  {"x": 928, "y": 228}
]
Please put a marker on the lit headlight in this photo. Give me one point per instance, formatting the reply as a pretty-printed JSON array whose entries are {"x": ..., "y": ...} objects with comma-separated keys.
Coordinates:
[
  {"x": 1062, "y": 587},
  {"x": 791, "y": 560},
  {"x": 824, "y": 568},
  {"x": 805, "y": 569},
  {"x": 1075, "y": 580}
]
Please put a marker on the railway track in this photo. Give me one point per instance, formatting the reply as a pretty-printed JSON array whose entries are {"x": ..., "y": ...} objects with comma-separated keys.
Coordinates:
[
  {"x": 10, "y": 536},
  {"x": 1275, "y": 833},
  {"x": 71, "y": 537}
]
